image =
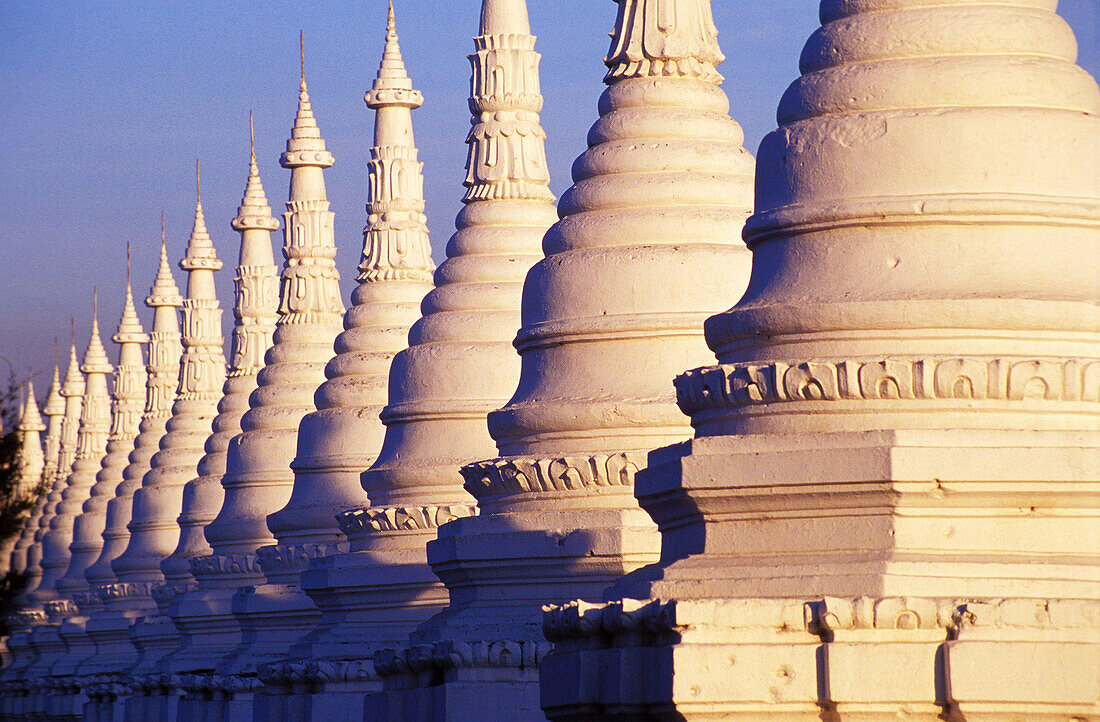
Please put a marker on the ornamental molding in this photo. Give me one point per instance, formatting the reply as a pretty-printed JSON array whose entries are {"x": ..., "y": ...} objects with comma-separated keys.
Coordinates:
[
  {"x": 522, "y": 475},
  {"x": 205, "y": 684},
  {"x": 949, "y": 378},
  {"x": 218, "y": 564},
  {"x": 446, "y": 655},
  {"x": 579, "y": 620},
  {"x": 405, "y": 518},
  {"x": 318, "y": 672},
  {"x": 281, "y": 557},
  {"x": 61, "y": 608}
]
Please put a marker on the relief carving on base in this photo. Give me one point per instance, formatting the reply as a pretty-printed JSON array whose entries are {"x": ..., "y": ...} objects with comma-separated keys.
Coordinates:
[
  {"x": 998, "y": 379},
  {"x": 281, "y": 557},
  {"x": 445, "y": 655},
  {"x": 415, "y": 518},
  {"x": 580, "y": 620},
  {"x": 507, "y": 476}
]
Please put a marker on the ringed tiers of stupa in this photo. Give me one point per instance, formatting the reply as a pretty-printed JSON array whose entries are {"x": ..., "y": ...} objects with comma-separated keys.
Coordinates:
[{"x": 813, "y": 435}]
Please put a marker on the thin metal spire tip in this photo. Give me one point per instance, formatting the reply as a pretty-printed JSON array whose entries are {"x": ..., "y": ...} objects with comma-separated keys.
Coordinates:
[{"x": 302, "y": 53}]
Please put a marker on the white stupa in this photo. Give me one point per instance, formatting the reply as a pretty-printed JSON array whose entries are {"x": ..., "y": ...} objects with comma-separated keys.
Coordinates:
[
  {"x": 154, "y": 530},
  {"x": 647, "y": 247},
  {"x": 72, "y": 391},
  {"x": 54, "y": 411},
  {"x": 26, "y": 552},
  {"x": 61, "y": 642},
  {"x": 26, "y": 613},
  {"x": 460, "y": 364},
  {"x": 343, "y": 437},
  {"x": 95, "y": 427},
  {"x": 32, "y": 461},
  {"x": 258, "y": 477},
  {"x": 128, "y": 399},
  {"x": 165, "y": 350},
  {"x": 256, "y": 311},
  {"x": 109, "y": 628},
  {"x": 884, "y": 511}
]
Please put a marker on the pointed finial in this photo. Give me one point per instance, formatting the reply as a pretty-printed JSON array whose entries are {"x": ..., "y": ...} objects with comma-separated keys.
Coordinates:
[
  {"x": 95, "y": 357},
  {"x": 251, "y": 135},
  {"x": 302, "y": 56},
  {"x": 55, "y": 354},
  {"x": 127, "y": 264},
  {"x": 392, "y": 86},
  {"x": 200, "y": 249},
  {"x": 72, "y": 329},
  {"x": 164, "y": 291}
]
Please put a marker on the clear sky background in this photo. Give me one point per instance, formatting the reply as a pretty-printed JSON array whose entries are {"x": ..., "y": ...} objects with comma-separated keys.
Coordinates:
[{"x": 107, "y": 105}]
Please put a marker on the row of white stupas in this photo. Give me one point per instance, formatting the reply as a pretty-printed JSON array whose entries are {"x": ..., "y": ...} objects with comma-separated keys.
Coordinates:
[{"x": 880, "y": 503}]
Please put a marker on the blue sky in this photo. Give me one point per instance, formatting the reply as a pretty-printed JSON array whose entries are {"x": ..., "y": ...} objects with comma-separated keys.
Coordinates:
[{"x": 107, "y": 105}]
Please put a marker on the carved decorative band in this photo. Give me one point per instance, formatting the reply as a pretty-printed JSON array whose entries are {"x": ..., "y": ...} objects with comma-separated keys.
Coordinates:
[
  {"x": 280, "y": 557},
  {"x": 216, "y": 564},
  {"x": 451, "y": 655},
  {"x": 746, "y": 384},
  {"x": 821, "y": 618},
  {"x": 401, "y": 518},
  {"x": 317, "y": 672},
  {"x": 60, "y": 607},
  {"x": 502, "y": 477},
  {"x": 123, "y": 590}
]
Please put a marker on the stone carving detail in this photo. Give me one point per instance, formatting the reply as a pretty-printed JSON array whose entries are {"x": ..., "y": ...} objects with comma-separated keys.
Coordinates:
[
  {"x": 124, "y": 590},
  {"x": 745, "y": 384},
  {"x": 60, "y": 608},
  {"x": 401, "y": 518},
  {"x": 225, "y": 564},
  {"x": 282, "y": 557},
  {"x": 317, "y": 672},
  {"x": 668, "y": 37},
  {"x": 501, "y": 477},
  {"x": 453, "y": 655},
  {"x": 579, "y": 620}
]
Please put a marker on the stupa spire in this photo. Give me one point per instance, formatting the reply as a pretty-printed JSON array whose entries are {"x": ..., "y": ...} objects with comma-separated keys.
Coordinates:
[
  {"x": 154, "y": 530},
  {"x": 258, "y": 478},
  {"x": 341, "y": 438},
  {"x": 310, "y": 310},
  {"x": 96, "y": 524},
  {"x": 504, "y": 17},
  {"x": 110, "y": 628},
  {"x": 32, "y": 460},
  {"x": 63, "y": 411},
  {"x": 94, "y": 428},
  {"x": 255, "y": 312},
  {"x": 54, "y": 411}
]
